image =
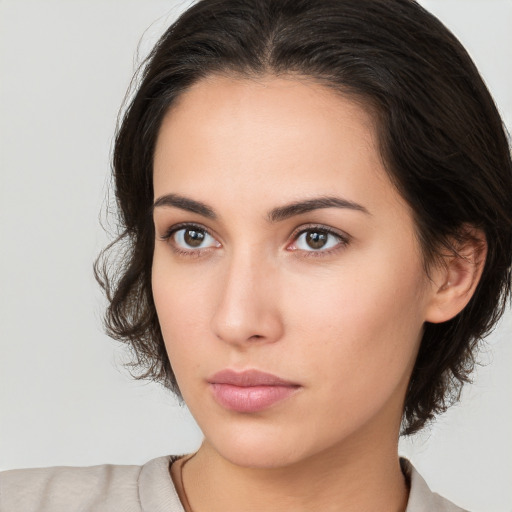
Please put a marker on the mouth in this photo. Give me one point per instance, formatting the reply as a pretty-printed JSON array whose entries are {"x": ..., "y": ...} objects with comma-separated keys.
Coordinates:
[{"x": 249, "y": 391}]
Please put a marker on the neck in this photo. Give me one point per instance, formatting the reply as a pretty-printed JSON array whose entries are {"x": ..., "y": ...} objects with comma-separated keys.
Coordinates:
[{"x": 357, "y": 476}]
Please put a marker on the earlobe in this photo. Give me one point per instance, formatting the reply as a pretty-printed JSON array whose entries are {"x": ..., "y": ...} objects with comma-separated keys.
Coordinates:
[{"x": 455, "y": 279}]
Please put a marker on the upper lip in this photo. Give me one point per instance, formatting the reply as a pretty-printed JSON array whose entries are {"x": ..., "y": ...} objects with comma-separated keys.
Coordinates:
[{"x": 249, "y": 378}]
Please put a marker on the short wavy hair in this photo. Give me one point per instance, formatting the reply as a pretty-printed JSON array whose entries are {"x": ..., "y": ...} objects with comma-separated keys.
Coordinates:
[{"x": 440, "y": 135}]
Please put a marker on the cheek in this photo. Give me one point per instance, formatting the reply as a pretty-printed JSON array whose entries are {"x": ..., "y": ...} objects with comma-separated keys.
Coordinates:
[
  {"x": 183, "y": 308},
  {"x": 361, "y": 326}
]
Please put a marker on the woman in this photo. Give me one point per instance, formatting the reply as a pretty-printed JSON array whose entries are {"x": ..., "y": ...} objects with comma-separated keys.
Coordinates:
[{"x": 316, "y": 205}]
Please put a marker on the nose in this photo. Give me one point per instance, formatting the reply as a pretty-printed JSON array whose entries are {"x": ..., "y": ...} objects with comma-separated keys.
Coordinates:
[{"x": 248, "y": 305}]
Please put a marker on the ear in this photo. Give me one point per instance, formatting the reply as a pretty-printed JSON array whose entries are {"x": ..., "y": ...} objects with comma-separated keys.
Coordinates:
[{"x": 456, "y": 277}]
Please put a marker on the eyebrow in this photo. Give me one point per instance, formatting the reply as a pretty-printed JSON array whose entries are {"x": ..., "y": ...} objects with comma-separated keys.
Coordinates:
[
  {"x": 284, "y": 212},
  {"x": 277, "y": 214},
  {"x": 184, "y": 203}
]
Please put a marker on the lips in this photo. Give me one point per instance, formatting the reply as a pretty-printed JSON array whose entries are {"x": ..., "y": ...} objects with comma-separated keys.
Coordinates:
[{"x": 249, "y": 391}]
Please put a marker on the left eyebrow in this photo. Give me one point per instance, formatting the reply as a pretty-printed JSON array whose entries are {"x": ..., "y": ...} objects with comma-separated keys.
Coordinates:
[{"x": 290, "y": 210}]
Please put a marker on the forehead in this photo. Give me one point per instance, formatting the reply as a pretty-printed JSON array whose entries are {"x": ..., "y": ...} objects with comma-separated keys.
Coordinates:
[
  {"x": 260, "y": 108},
  {"x": 278, "y": 138}
]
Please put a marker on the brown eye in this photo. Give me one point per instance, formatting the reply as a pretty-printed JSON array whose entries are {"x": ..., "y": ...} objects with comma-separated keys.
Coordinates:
[
  {"x": 316, "y": 239},
  {"x": 193, "y": 237}
]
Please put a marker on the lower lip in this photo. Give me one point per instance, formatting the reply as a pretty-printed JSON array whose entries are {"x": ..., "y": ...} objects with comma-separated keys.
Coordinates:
[{"x": 250, "y": 398}]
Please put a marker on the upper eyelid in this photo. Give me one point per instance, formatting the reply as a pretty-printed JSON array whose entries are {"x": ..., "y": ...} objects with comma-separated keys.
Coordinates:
[
  {"x": 320, "y": 227},
  {"x": 184, "y": 225}
]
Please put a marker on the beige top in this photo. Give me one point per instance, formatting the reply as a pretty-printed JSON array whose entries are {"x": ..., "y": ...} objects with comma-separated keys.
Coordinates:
[{"x": 147, "y": 488}]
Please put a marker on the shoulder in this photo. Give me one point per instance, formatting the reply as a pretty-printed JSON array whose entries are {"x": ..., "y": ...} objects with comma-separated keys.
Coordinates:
[
  {"x": 105, "y": 488},
  {"x": 70, "y": 488},
  {"x": 421, "y": 498}
]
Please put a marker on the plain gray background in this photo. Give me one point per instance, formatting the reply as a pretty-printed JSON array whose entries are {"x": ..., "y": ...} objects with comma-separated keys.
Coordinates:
[{"x": 64, "y": 397}]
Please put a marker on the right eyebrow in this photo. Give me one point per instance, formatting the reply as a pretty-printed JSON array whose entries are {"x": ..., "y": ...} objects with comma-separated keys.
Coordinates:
[{"x": 184, "y": 203}]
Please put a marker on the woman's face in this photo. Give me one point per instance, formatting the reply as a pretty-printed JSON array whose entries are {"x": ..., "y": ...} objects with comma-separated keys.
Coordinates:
[{"x": 282, "y": 246}]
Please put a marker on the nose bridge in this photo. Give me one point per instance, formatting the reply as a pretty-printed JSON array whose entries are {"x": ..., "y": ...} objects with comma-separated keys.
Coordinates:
[{"x": 247, "y": 308}]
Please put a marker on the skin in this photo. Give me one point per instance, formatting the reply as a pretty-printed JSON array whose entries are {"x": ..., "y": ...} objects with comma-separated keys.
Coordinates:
[{"x": 344, "y": 322}]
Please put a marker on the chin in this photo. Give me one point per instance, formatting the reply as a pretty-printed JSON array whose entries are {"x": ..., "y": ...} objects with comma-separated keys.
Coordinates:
[
  {"x": 261, "y": 458},
  {"x": 260, "y": 448}
]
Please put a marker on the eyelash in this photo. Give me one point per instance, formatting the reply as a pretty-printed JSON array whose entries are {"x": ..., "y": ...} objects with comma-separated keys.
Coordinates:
[
  {"x": 343, "y": 239},
  {"x": 194, "y": 253}
]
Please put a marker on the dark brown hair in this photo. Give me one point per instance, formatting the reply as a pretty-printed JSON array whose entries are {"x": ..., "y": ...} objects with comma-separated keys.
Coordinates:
[{"x": 441, "y": 138}]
